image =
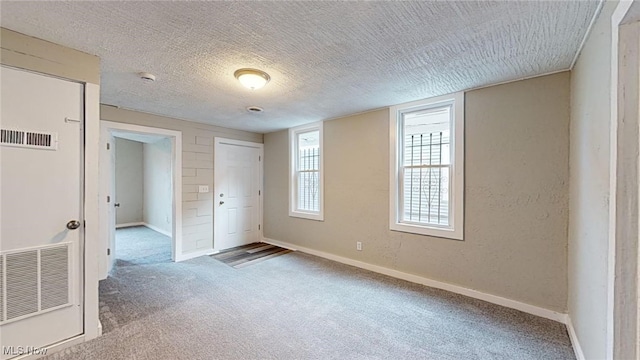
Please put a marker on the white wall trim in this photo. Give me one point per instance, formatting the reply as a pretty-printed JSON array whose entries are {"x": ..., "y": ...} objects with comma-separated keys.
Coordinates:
[
  {"x": 131, "y": 224},
  {"x": 92, "y": 216},
  {"x": 195, "y": 254},
  {"x": 577, "y": 349},
  {"x": 456, "y": 174},
  {"x": 616, "y": 19},
  {"x": 513, "y": 304},
  {"x": 221, "y": 140},
  {"x": 176, "y": 154},
  {"x": 293, "y": 160},
  {"x": 51, "y": 349},
  {"x": 157, "y": 229}
]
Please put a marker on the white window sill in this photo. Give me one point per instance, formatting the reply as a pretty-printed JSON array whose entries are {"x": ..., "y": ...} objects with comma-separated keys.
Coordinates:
[
  {"x": 454, "y": 234},
  {"x": 308, "y": 216}
]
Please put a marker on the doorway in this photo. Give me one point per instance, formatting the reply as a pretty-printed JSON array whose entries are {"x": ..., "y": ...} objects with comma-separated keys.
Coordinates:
[
  {"x": 238, "y": 194},
  {"x": 141, "y": 179},
  {"x": 142, "y": 201}
]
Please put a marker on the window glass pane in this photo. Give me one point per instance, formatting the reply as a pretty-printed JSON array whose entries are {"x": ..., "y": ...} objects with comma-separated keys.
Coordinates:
[
  {"x": 308, "y": 150},
  {"x": 426, "y": 195},
  {"x": 308, "y": 191},
  {"x": 426, "y": 137},
  {"x": 308, "y": 160}
]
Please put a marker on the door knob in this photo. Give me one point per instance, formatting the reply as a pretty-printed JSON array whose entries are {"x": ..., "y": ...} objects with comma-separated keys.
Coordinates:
[
  {"x": 116, "y": 205},
  {"x": 221, "y": 202},
  {"x": 73, "y": 224}
]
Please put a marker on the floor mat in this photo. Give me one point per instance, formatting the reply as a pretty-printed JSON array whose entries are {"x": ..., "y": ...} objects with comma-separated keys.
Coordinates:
[{"x": 245, "y": 255}]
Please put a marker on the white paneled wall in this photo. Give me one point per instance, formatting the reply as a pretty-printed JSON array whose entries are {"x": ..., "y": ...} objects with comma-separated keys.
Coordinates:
[
  {"x": 197, "y": 208},
  {"x": 197, "y": 169}
]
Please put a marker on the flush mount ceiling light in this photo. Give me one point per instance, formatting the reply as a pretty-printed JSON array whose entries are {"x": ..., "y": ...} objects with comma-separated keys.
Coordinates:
[
  {"x": 252, "y": 78},
  {"x": 254, "y": 109},
  {"x": 147, "y": 77}
]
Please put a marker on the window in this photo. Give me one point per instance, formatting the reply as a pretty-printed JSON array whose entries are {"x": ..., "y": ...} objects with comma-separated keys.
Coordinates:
[
  {"x": 427, "y": 167},
  {"x": 306, "y": 178}
]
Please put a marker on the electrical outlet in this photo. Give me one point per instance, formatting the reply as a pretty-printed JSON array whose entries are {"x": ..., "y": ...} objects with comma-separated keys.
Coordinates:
[
  {"x": 203, "y": 188},
  {"x": 359, "y": 246}
]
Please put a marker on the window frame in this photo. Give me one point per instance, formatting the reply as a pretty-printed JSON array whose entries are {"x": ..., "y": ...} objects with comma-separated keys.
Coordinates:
[
  {"x": 456, "y": 174},
  {"x": 293, "y": 185}
]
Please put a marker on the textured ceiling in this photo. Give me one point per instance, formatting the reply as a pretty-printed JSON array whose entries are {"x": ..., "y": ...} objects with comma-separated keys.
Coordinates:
[{"x": 326, "y": 59}]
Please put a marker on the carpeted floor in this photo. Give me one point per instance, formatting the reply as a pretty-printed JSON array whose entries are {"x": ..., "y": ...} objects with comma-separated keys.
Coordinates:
[
  {"x": 298, "y": 306},
  {"x": 140, "y": 245}
]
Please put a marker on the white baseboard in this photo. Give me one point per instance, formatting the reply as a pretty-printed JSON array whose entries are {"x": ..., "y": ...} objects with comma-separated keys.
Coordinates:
[
  {"x": 99, "y": 327},
  {"x": 195, "y": 254},
  {"x": 577, "y": 349},
  {"x": 530, "y": 309},
  {"x": 157, "y": 229},
  {"x": 53, "y": 348},
  {"x": 118, "y": 226}
]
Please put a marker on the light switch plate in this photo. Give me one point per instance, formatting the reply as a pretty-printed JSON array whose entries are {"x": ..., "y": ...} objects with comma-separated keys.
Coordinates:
[{"x": 203, "y": 188}]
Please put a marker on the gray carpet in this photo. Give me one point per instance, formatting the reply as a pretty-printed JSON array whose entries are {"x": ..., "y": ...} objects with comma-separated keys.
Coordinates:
[
  {"x": 140, "y": 245},
  {"x": 298, "y": 306}
]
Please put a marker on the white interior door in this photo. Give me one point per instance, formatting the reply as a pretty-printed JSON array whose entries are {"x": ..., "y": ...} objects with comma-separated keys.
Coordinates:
[
  {"x": 111, "y": 199},
  {"x": 238, "y": 188},
  {"x": 41, "y": 232},
  {"x": 107, "y": 201}
]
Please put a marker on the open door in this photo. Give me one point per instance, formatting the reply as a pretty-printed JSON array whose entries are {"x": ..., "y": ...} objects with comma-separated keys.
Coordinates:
[{"x": 107, "y": 201}]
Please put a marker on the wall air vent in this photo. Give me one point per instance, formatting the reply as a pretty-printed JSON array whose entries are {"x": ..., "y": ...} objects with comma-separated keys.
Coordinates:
[
  {"x": 29, "y": 139},
  {"x": 34, "y": 281}
]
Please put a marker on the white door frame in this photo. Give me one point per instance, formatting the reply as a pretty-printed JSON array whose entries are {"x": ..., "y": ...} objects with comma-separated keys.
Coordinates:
[
  {"x": 107, "y": 176},
  {"x": 217, "y": 141},
  {"x": 620, "y": 221}
]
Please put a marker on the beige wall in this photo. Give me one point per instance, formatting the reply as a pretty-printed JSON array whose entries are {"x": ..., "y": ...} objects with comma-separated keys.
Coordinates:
[
  {"x": 129, "y": 179},
  {"x": 589, "y": 188},
  {"x": 197, "y": 168},
  {"x": 516, "y": 196},
  {"x": 34, "y": 54}
]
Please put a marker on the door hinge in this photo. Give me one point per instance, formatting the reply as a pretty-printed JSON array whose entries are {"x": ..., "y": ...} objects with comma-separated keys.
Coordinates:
[
  {"x": 84, "y": 223},
  {"x": 259, "y": 158},
  {"x": 258, "y": 226},
  {"x": 108, "y": 252},
  {"x": 108, "y": 146},
  {"x": 259, "y": 193},
  {"x": 108, "y": 198}
]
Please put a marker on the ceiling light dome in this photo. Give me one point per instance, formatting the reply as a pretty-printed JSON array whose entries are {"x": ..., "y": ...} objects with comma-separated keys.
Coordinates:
[{"x": 253, "y": 79}]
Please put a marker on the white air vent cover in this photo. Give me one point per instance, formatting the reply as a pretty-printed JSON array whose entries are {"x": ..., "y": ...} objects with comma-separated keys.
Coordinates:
[
  {"x": 29, "y": 139},
  {"x": 34, "y": 280},
  {"x": 22, "y": 284},
  {"x": 54, "y": 277}
]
